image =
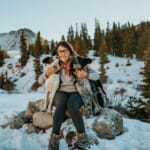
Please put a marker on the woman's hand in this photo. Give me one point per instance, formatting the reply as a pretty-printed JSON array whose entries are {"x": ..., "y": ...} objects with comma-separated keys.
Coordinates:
[
  {"x": 81, "y": 73},
  {"x": 50, "y": 71}
]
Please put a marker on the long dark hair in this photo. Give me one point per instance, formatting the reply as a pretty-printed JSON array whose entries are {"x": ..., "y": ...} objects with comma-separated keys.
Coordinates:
[{"x": 66, "y": 45}]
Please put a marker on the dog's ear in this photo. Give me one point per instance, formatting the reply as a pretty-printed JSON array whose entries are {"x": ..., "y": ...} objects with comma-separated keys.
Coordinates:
[
  {"x": 47, "y": 60},
  {"x": 84, "y": 61},
  {"x": 88, "y": 60}
]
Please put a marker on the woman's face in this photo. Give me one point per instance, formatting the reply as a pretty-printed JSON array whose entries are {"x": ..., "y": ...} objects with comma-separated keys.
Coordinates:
[{"x": 63, "y": 53}]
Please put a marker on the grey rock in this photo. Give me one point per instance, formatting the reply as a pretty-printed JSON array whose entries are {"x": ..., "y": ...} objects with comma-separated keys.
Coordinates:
[
  {"x": 16, "y": 123},
  {"x": 108, "y": 124},
  {"x": 33, "y": 107}
]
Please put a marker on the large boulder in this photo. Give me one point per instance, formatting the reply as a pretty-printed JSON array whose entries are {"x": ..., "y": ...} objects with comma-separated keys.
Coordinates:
[
  {"x": 34, "y": 107},
  {"x": 42, "y": 120},
  {"x": 108, "y": 124}
]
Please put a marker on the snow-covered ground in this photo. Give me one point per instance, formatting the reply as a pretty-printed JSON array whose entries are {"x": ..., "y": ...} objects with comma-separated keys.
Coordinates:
[
  {"x": 121, "y": 77},
  {"x": 136, "y": 134}
]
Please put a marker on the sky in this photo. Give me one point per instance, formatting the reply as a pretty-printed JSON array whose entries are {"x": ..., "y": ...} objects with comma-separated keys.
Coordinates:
[{"x": 53, "y": 17}]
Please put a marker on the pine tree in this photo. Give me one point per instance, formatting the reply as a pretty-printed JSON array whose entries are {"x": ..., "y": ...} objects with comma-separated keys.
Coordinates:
[
  {"x": 76, "y": 33},
  {"x": 97, "y": 37},
  {"x": 142, "y": 44},
  {"x": 23, "y": 47},
  {"x": 52, "y": 46},
  {"x": 84, "y": 34},
  {"x": 129, "y": 42},
  {"x": 116, "y": 35},
  {"x": 38, "y": 45},
  {"x": 46, "y": 47},
  {"x": 70, "y": 35},
  {"x": 38, "y": 71},
  {"x": 62, "y": 38},
  {"x": 90, "y": 46},
  {"x": 80, "y": 46},
  {"x": 108, "y": 39},
  {"x": 77, "y": 40},
  {"x": 86, "y": 40},
  {"x": 135, "y": 33},
  {"x": 1, "y": 81},
  {"x": 78, "y": 43},
  {"x": 37, "y": 67},
  {"x": 83, "y": 49},
  {"x": 146, "y": 91},
  {"x": 1, "y": 57},
  {"x": 103, "y": 60},
  {"x": 143, "y": 38},
  {"x": 37, "y": 51},
  {"x": 5, "y": 55}
]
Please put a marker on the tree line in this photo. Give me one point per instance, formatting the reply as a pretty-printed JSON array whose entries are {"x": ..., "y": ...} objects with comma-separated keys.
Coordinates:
[{"x": 122, "y": 41}]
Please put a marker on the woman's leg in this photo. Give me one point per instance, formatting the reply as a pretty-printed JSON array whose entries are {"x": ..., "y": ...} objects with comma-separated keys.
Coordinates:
[
  {"x": 73, "y": 104},
  {"x": 60, "y": 101}
]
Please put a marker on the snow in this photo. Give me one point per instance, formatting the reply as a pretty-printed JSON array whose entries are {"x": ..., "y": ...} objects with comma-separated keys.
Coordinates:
[
  {"x": 136, "y": 133},
  {"x": 13, "y": 53},
  {"x": 123, "y": 77},
  {"x": 135, "y": 136}
]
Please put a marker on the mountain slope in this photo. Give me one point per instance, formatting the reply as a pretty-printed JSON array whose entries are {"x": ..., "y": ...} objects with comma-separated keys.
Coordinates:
[{"x": 11, "y": 40}]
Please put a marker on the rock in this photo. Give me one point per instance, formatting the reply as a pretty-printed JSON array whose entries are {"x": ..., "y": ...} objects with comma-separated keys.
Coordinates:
[
  {"x": 43, "y": 120},
  {"x": 5, "y": 125},
  {"x": 32, "y": 129},
  {"x": 21, "y": 114},
  {"x": 33, "y": 107},
  {"x": 108, "y": 124},
  {"x": 17, "y": 121}
]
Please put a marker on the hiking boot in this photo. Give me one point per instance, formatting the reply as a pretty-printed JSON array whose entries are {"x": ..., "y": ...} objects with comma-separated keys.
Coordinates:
[
  {"x": 54, "y": 142},
  {"x": 81, "y": 141}
]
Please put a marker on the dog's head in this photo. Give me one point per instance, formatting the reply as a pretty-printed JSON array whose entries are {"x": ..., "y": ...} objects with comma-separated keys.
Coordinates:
[
  {"x": 52, "y": 62},
  {"x": 80, "y": 62}
]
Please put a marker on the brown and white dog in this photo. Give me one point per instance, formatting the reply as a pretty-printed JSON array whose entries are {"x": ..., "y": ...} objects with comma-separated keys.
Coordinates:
[{"x": 51, "y": 83}]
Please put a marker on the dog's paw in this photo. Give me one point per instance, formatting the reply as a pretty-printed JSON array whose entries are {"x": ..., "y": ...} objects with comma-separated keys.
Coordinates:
[
  {"x": 43, "y": 110},
  {"x": 49, "y": 112}
]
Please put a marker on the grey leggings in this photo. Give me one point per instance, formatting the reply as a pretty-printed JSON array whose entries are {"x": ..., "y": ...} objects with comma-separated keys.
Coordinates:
[{"x": 71, "y": 101}]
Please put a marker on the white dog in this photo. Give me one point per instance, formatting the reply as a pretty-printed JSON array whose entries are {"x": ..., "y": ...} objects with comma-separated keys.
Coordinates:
[{"x": 51, "y": 85}]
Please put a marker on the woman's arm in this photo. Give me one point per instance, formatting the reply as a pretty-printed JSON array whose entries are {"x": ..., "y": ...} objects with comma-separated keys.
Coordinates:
[
  {"x": 88, "y": 73},
  {"x": 46, "y": 74},
  {"x": 81, "y": 74},
  {"x": 42, "y": 78}
]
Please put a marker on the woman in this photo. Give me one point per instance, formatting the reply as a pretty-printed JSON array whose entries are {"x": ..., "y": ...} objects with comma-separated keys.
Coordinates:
[{"x": 67, "y": 96}]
